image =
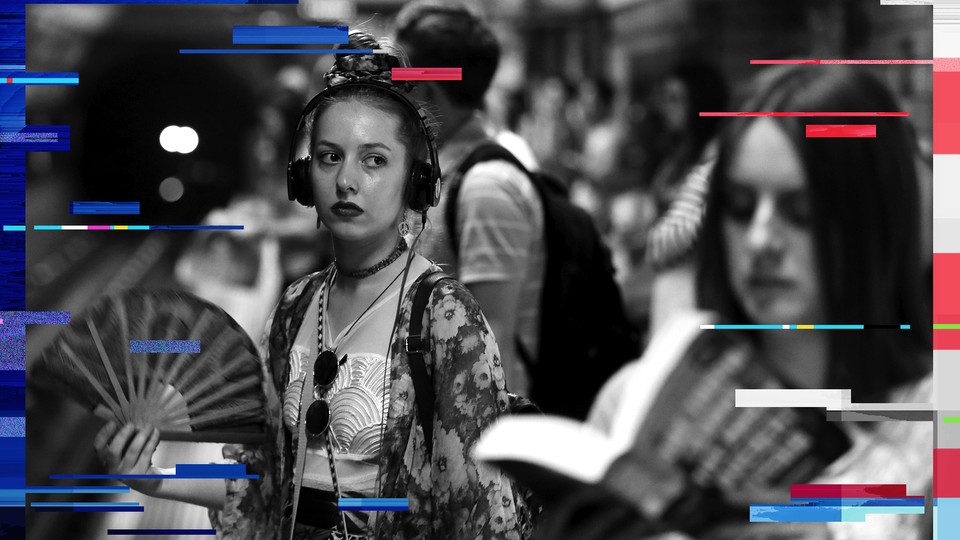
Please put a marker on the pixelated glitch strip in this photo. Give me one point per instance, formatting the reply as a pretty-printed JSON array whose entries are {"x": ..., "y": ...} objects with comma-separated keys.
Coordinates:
[
  {"x": 838, "y": 503},
  {"x": 946, "y": 261},
  {"x": 164, "y": 345},
  {"x": 34, "y": 138},
  {"x": 837, "y": 403}
]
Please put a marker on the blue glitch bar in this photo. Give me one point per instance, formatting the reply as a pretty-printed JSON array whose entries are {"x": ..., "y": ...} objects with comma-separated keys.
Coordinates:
[
  {"x": 13, "y": 67},
  {"x": 213, "y": 470},
  {"x": 904, "y": 326},
  {"x": 91, "y": 509},
  {"x": 109, "y": 476},
  {"x": 138, "y": 227},
  {"x": 104, "y": 207},
  {"x": 787, "y": 513},
  {"x": 165, "y": 345},
  {"x": 195, "y": 227},
  {"x": 144, "y": 476},
  {"x": 791, "y": 513},
  {"x": 277, "y": 51},
  {"x": 76, "y": 489},
  {"x": 290, "y": 35},
  {"x": 79, "y": 504},
  {"x": 748, "y": 327},
  {"x": 372, "y": 504},
  {"x": 161, "y": 532},
  {"x": 159, "y": 2},
  {"x": 14, "y": 227},
  {"x": 41, "y": 80},
  {"x": 946, "y": 518},
  {"x": 838, "y": 326}
]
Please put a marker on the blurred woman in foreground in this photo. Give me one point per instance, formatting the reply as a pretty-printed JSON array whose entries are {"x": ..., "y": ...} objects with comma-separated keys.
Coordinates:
[{"x": 807, "y": 231}]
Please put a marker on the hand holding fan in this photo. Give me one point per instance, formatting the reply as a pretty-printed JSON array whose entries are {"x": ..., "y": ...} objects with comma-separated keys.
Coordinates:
[{"x": 216, "y": 395}]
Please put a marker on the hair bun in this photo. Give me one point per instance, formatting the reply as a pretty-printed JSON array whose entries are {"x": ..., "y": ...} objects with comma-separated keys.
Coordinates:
[{"x": 366, "y": 67}]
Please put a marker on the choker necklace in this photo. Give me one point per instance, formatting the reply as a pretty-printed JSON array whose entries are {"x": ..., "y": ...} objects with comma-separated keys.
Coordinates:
[{"x": 367, "y": 272}]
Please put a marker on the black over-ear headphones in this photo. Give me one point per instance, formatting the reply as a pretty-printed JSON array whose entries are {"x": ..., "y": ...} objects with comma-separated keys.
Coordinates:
[{"x": 423, "y": 187}]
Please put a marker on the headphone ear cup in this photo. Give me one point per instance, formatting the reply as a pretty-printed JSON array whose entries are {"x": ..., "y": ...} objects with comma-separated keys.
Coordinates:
[
  {"x": 298, "y": 182},
  {"x": 424, "y": 191}
]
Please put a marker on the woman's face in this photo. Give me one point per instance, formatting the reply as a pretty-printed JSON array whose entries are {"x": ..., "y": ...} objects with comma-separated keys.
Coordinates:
[
  {"x": 672, "y": 101},
  {"x": 358, "y": 170},
  {"x": 766, "y": 226}
]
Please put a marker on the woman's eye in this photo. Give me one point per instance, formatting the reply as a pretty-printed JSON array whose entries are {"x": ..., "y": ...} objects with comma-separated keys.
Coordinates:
[
  {"x": 739, "y": 204},
  {"x": 375, "y": 161},
  {"x": 328, "y": 158}
]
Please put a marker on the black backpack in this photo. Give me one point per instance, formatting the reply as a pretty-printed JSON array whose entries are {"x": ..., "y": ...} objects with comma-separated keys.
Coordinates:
[{"x": 584, "y": 333}]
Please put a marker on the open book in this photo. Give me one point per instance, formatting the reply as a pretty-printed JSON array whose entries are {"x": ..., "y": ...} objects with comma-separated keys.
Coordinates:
[{"x": 672, "y": 424}]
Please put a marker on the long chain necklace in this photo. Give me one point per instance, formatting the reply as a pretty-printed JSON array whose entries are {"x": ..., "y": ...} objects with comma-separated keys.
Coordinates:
[
  {"x": 371, "y": 270},
  {"x": 328, "y": 434}
]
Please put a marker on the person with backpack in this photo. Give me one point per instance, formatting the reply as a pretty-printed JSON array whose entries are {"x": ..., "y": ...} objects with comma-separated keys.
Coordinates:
[
  {"x": 533, "y": 261},
  {"x": 380, "y": 372}
]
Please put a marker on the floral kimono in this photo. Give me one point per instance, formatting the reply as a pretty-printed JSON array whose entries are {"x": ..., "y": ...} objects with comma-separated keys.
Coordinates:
[{"x": 450, "y": 495}]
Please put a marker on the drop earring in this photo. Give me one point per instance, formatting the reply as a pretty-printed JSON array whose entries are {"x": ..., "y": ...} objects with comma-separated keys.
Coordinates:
[{"x": 403, "y": 227}]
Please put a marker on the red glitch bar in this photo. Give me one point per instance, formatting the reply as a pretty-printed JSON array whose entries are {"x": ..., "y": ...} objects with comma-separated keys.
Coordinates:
[
  {"x": 946, "y": 472},
  {"x": 842, "y": 62},
  {"x": 848, "y": 491},
  {"x": 946, "y": 300},
  {"x": 426, "y": 74},
  {"x": 841, "y": 131},
  {"x": 946, "y": 112},
  {"x": 761, "y": 113}
]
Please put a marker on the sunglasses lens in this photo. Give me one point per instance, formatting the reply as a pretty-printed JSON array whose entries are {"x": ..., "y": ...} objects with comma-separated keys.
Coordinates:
[
  {"x": 318, "y": 417},
  {"x": 325, "y": 370}
]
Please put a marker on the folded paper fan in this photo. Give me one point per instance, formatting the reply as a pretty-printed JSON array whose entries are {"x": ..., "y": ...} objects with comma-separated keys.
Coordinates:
[{"x": 215, "y": 395}]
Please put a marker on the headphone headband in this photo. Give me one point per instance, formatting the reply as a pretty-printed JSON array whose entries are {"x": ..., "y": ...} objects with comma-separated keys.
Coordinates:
[{"x": 424, "y": 178}]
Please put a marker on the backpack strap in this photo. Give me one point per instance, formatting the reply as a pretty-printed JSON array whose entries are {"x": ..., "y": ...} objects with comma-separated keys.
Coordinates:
[
  {"x": 414, "y": 346},
  {"x": 488, "y": 150}
]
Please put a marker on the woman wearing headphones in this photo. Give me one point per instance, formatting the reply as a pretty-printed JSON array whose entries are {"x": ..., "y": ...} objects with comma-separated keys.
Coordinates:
[{"x": 346, "y": 412}]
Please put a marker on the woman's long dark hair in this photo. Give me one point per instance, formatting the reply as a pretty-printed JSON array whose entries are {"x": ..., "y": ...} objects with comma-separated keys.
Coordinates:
[{"x": 866, "y": 226}]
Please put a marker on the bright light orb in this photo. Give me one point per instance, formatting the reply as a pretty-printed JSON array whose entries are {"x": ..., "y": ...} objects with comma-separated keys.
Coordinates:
[
  {"x": 179, "y": 139},
  {"x": 169, "y": 138},
  {"x": 188, "y": 140}
]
